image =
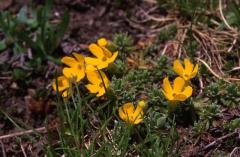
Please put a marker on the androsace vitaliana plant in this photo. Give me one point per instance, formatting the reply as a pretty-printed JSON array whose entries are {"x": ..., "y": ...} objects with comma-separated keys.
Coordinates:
[
  {"x": 134, "y": 116},
  {"x": 80, "y": 66},
  {"x": 130, "y": 114},
  {"x": 181, "y": 89}
]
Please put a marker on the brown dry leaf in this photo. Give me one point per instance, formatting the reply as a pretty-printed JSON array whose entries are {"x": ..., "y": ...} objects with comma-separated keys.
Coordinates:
[
  {"x": 4, "y": 56},
  {"x": 38, "y": 106},
  {"x": 4, "y": 4}
]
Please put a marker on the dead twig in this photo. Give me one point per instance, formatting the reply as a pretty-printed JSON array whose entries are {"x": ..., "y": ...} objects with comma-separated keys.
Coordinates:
[
  {"x": 182, "y": 36},
  {"x": 220, "y": 140},
  {"x": 233, "y": 43},
  {"x": 3, "y": 149},
  {"x": 236, "y": 149},
  {"x": 5, "y": 78},
  {"x": 234, "y": 69},
  {"x": 135, "y": 25},
  {"x": 201, "y": 84},
  {"x": 209, "y": 68},
  {"x": 40, "y": 130},
  {"x": 151, "y": 1},
  {"x": 222, "y": 16},
  {"x": 24, "y": 153},
  {"x": 164, "y": 50}
]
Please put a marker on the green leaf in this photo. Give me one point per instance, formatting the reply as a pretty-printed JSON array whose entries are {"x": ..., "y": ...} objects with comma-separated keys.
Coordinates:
[
  {"x": 62, "y": 27},
  {"x": 17, "y": 49},
  {"x": 235, "y": 8},
  {"x": 2, "y": 45},
  {"x": 20, "y": 74},
  {"x": 22, "y": 15}
]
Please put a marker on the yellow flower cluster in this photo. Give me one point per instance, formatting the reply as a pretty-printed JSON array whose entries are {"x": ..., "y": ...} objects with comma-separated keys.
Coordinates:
[
  {"x": 80, "y": 66},
  {"x": 181, "y": 90},
  {"x": 130, "y": 114}
]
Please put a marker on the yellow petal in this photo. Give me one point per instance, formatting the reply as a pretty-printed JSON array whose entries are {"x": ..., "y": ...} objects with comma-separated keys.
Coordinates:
[
  {"x": 167, "y": 86},
  {"x": 90, "y": 68},
  {"x": 139, "y": 107},
  {"x": 101, "y": 92},
  {"x": 168, "y": 96},
  {"x": 102, "y": 42},
  {"x": 74, "y": 73},
  {"x": 96, "y": 50},
  {"x": 69, "y": 73},
  {"x": 80, "y": 75},
  {"x": 93, "y": 61},
  {"x": 187, "y": 91},
  {"x": 188, "y": 67},
  {"x": 106, "y": 52},
  {"x": 178, "y": 68},
  {"x": 178, "y": 85},
  {"x": 114, "y": 56},
  {"x": 195, "y": 70},
  {"x": 102, "y": 65},
  {"x": 69, "y": 61},
  {"x": 66, "y": 93},
  {"x": 122, "y": 114},
  {"x": 92, "y": 88},
  {"x": 137, "y": 115},
  {"x": 180, "y": 97},
  {"x": 139, "y": 110},
  {"x": 138, "y": 120},
  {"x": 93, "y": 77},
  {"x": 79, "y": 57},
  {"x": 105, "y": 79},
  {"x": 128, "y": 110},
  {"x": 141, "y": 103},
  {"x": 62, "y": 83}
]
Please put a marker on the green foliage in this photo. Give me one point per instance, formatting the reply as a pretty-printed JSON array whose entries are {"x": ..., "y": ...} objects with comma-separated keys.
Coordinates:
[
  {"x": 132, "y": 83},
  {"x": 207, "y": 111},
  {"x": 156, "y": 97},
  {"x": 208, "y": 105},
  {"x": 167, "y": 34},
  {"x": 232, "y": 125},
  {"x": 32, "y": 29},
  {"x": 2, "y": 45},
  {"x": 124, "y": 44},
  {"x": 90, "y": 126},
  {"x": 157, "y": 142},
  {"x": 223, "y": 93},
  {"x": 71, "y": 130},
  {"x": 111, "y": 138},
  {"x": 118, "y": 69},
  {"x": 190, "y": 9},
  {"x": 20, "y": 74},
  {"x": 163, "y": 68},
  {"x": 232, "y": 14},
  {"x": 220, "y": 154}
]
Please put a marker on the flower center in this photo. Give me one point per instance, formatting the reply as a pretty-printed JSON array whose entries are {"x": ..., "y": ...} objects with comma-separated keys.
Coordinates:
[
  {"x": 79, "y": 67},
  {"x": 60, "y": 83},
  {"x": 104, "y": 59},
  {"x": 186, "y": 75},
  {"x": 101, "y": 85},
  {"x": 174, "y": 94}
]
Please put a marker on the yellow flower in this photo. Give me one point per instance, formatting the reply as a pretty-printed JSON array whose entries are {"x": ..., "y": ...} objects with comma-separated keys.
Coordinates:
[
  {"x": 130, "y": 114},
  {"x": 98, "y": 82},
  {"x": 179, "y": 92},
  {"x": 76, "y": 69},
  {"x": 103, "y": 56},
  {"x": 188, "y": 72},
  {"x": 62, "y": 86}
]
